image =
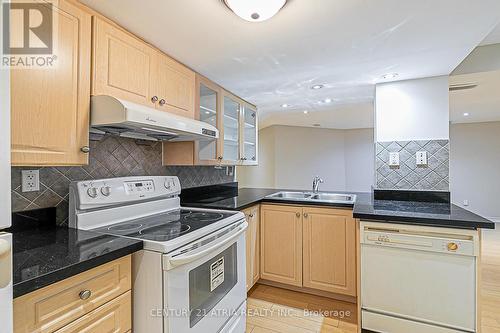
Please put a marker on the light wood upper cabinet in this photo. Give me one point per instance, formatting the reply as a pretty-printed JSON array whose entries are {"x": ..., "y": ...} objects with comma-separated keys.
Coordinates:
[
  {"x": 252, "y": 245},
  {"x": 122, "y": 64},
  {"x": 50, "y": 106},
  {"x": 329, "y": 250},
  {"x": 174, "y": 85},
  {"x": 128, "y": 68},
  {"x": 281, "y": 244}
]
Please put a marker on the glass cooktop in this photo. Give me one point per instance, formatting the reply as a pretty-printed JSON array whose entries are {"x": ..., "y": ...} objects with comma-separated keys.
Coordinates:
[{"x": 166, "y": 226}]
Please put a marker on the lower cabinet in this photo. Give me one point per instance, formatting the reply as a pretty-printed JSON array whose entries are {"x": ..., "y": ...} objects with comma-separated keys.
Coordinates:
[
  {"x": 252, "y": 245},
  {"x": 329, "y": 250},
  {"x": 97, "y": 300},
  {"x": 310, "y": 247},
  {"x": 281, "y": 244}
]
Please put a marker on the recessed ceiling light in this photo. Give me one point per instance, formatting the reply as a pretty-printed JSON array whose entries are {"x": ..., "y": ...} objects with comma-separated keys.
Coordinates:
[
  {"x": 466, "y": 114},
  {"x": 255, "y": 10},
  {"x": 390, "y": 76},
  {"x": 285, "y": 105},
  {"x": 317, "y": 86},
  {"x": 306, "y": 112},
  {"x": 326, "y": 101}
]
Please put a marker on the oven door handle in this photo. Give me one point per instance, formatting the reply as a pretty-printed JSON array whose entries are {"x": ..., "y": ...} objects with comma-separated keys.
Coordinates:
[{"x": 179, "y": 260}]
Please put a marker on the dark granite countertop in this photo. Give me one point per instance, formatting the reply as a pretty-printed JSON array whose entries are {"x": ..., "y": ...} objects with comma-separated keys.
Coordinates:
[
  {"x": 439, "y": 214},
  {"x": 44, "y": 254}
]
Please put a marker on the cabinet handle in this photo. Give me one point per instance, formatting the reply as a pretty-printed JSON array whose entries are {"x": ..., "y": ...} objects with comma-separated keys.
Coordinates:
[
  {"x": 162, "y": 101},
  {"x": 297, "y": 214},
  {"x": 154, "y": 99},
  {"x": 220, "y": 158},
  {"x": 85, "y": 149},
  {"x": 305, "y": 215},
  {"x": 85, "y": 294}
]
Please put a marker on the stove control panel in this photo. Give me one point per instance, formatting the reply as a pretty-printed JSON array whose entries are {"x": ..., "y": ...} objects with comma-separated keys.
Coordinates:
[
  {"x": 146, "y": 186},
  {"x": 112, "y": 191}
]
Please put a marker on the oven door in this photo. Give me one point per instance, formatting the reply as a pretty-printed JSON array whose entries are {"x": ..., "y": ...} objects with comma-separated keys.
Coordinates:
[{"x": 204, "y": 282}]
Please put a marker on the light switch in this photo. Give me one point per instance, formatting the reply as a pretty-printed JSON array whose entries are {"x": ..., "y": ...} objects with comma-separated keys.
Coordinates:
[
  {"x": 393, "y": 159},
  {"x": 421, "y": 157}
]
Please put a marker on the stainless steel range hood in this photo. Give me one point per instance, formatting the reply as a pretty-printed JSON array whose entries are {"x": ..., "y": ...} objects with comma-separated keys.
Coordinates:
[{"x": 116, "y": 116}]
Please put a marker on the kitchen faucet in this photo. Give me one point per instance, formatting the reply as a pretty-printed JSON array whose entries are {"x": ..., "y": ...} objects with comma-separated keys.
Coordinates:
[{"x": 316, "y": 181}]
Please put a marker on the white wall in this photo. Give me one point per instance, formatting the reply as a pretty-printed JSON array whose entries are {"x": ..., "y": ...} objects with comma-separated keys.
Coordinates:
[
  {"x": 475, "y": 167},
  {"x": 359, "y": 160},
  {"x": 289, "y": 157},
  {"x": 412, "y": 110}
]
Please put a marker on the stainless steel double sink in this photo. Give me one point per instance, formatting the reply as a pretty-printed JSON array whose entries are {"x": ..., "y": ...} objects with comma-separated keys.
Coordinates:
[{"x": 322, "y": 197}]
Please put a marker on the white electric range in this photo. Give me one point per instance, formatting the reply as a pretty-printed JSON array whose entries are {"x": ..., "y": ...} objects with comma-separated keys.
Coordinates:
[{"x": 190, "y": 277}]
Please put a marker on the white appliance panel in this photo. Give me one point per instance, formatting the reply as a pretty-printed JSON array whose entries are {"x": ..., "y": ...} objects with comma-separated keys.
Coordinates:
[
  {"x": 6, "y": 295},
  {"x": 177, "y": 283}
]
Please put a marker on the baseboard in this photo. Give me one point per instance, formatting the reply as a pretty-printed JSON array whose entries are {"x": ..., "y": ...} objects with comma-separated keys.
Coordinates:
[{"x": 338, "y": 297}]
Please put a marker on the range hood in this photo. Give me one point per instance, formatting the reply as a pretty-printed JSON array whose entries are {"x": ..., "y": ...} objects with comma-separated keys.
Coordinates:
[{"x": 119, "y": 117}]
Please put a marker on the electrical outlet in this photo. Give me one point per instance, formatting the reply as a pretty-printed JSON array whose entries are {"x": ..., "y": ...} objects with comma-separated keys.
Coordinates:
[
  {"x": 421, "y": 157},
  {"x": 394, "y": 159},
  {"x": 30, "y": 180}
]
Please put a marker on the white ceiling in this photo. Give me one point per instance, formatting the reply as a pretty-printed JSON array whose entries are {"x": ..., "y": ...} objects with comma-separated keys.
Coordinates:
[
  {"x": 347, "y": 45},
  {"x": 493, "y": 37},
  {"x": 481, "y": 103}
]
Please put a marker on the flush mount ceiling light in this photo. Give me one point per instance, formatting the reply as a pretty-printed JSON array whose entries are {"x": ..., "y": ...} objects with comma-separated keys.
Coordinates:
[
  {"x": 390, "y": 76},
  {"x": 317, "y": 86},
  {"x": 255, "y": 10},
  {"x": 306, "y": 112},
  {"x": 325, "y": 101},
  {"x": 285, "y": 105},
  {"x": 466, "y": 114}
]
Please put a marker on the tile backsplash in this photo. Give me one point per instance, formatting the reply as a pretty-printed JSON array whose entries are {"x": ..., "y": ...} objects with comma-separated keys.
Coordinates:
[
  {"x": 409, "y": 176},
  {"x": 110, "y": 157}
]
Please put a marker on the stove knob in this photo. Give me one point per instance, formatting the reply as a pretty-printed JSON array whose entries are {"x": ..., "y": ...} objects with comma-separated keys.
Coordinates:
[
  {"x": 106, "y": 191},
  {"x": 92, "y": 192},
  {"x": 167, "y": 185}
]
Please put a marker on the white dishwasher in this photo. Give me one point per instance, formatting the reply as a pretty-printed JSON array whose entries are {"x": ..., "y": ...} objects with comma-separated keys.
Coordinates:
[{"x": 417, "y": 279}]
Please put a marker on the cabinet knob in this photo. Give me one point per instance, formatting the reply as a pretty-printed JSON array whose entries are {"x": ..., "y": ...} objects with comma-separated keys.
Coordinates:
[
  {"x": 305, "y": 215},
  {"x": 85, "y": 294},
  {"x": 162, "y": 101},
  {"x": 297, "y": 214},
  {"x": 154, "y": 99},
  {"x": 250, "y": 216},
  {"x": 85, "y": 149},
  {"x": 220, "y": 158}
]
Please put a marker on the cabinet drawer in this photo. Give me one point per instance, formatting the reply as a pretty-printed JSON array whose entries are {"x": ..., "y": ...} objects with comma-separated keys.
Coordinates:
[
  {"x": 114, "y": 316},
  {"x": 55, "y": 306}
]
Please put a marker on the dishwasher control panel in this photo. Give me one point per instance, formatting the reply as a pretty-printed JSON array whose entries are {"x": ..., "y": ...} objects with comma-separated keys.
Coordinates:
[{"x": 414, "y": 240}]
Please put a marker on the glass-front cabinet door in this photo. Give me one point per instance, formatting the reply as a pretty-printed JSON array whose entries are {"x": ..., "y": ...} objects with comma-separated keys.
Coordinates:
[
  {"x": 249, "y": 138},
  {"x": 231, "y": 133},
  {"x": 209, "y": 113}
]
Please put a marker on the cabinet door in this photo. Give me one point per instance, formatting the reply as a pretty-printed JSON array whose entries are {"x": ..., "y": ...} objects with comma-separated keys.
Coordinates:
[
  {"x": 252, "y": 246},
  {"x": 122, "y": 64},
  {"x": 330, "y": 250},
  {"x": 249, "y": 131},
  {"x": 231, "y": 129},
  {"x": 209, "y": 105},
  {"x": 174, "y": 84},
  {"x": 281, "y": 244},
  {"x": 55, "y": 98}
]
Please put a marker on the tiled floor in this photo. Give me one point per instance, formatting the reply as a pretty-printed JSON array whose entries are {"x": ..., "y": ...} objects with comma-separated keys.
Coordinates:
[{"x": 274, "y": 310}]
